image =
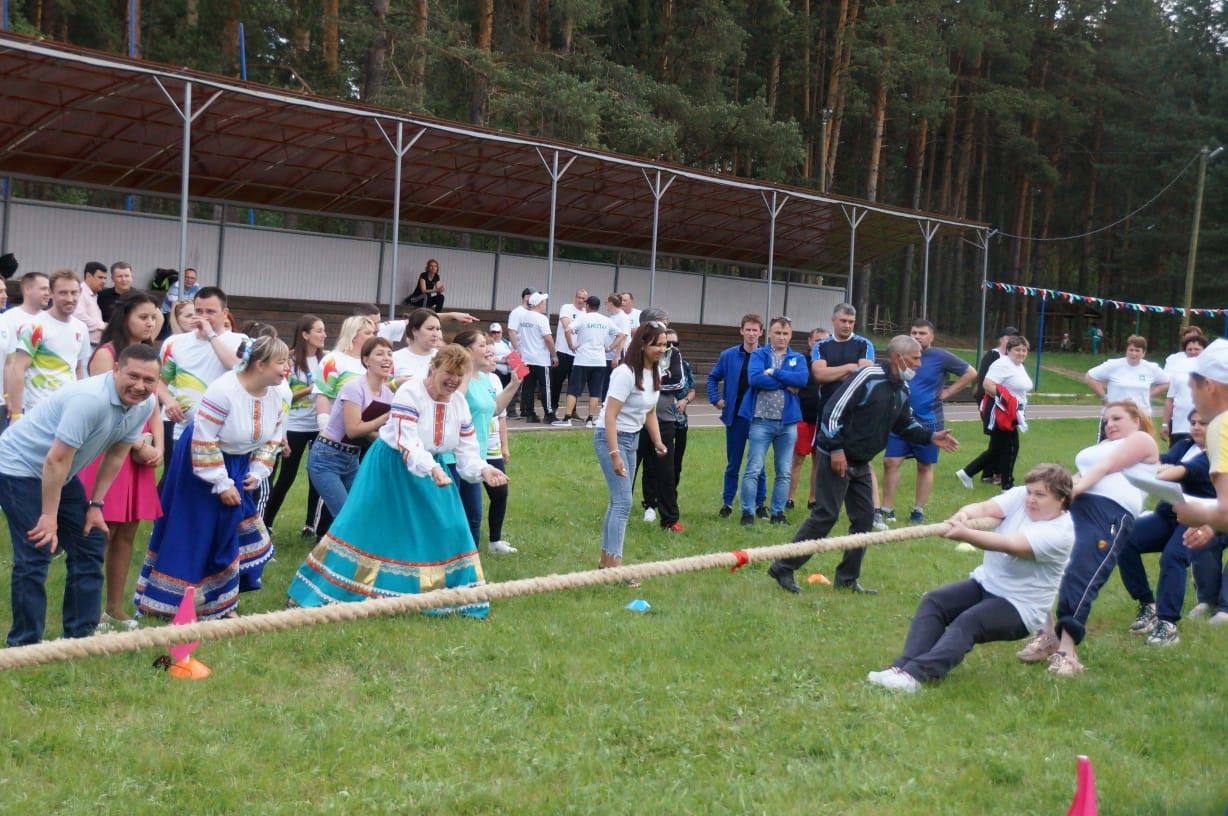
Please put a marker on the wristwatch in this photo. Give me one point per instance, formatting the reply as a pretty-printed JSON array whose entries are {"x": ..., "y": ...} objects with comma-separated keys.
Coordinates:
[{"x": 97, "y": 504}]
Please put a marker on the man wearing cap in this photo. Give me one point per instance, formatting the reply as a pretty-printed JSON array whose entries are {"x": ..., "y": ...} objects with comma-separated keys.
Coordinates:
[
  {"x": 562, "y": 372},
  {"x": 536, "y": 347},
  {"x": 978, "y": 390},
  {"x": 1209, "y": 388}
]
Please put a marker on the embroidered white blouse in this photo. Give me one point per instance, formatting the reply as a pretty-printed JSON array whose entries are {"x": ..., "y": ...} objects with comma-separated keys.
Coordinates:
[
  {"x": 230, "y": 420},
  {"x": 418, "y": 428}
]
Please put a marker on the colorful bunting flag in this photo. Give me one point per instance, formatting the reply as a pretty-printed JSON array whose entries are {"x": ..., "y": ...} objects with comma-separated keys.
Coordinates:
[{"x": 1071, "y": 297}]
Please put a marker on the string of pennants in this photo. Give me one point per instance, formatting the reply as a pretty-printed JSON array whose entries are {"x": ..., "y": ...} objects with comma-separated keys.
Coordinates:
[{"x": 1071, "y": 297}]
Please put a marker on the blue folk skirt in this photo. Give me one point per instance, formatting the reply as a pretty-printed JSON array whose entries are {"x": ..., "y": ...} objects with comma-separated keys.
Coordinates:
[
  {"x": 398, "y": 534},
  {"x": 201, "y": 542}
]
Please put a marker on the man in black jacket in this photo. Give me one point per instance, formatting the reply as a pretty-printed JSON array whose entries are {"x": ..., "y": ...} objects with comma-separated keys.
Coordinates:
[{"x": 871, "y": 404}]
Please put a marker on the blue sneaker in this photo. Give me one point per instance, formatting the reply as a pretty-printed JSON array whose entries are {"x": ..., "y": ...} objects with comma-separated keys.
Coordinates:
[{"x": 917, "y": 516}]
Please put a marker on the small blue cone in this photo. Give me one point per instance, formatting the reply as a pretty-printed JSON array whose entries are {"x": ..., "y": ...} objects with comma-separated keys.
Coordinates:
[{"x": 638, "y": 605}]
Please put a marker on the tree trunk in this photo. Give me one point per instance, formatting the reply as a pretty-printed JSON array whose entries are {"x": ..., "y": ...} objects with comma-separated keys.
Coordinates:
[
  {"x": 836, "y": 81},
  {"x": 543, "y": 25},
  {"x": 917, "y": 146},
  {"x": 807, "y": 117},
  {"x": 1085, "y": 246},
  {"x": 332, "y": 36},
  {"x": 773, "y": 88},
  {"x": 667, "y": 29},
  {"x": 479, "y": 103},
  {"x": 377, "y": 52},
  {"x": 417, "y": 67},
  {"x": 192, "y": 13}
]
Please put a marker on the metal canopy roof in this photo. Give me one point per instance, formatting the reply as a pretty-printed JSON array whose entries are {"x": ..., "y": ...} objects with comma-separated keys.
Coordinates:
[{"x": 80, "y": 116}]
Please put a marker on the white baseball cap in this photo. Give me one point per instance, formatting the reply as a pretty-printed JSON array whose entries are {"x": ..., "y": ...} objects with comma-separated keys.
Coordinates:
[
  {"x": 1212, "y": 363},
  {"x": 538, "y": 298},
  {"x": 495, "y": 327}
]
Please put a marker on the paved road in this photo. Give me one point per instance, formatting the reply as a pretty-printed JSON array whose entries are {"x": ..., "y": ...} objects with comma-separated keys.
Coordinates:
[{"x": 706, "y": 416}]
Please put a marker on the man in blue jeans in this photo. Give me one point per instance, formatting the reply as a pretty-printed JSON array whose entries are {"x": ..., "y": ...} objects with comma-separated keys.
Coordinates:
[
  {"x": 776, "y": 375},
  {"x": 727, "y": 385},
  {"x": 45, "y": 502}
]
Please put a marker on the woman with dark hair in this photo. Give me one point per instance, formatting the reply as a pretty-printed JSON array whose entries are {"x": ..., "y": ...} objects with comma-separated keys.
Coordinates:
[
  {"x": 1006, "y": 597},
  {"x": 428, "y": 292},
  {"x": 1006, "y": 386},
  {"x": 212, "y": 537},
  {"x": 630, "y": 406},
  {"x": 487, "y": 398},
  {"x": 133, "y": 496},
  {"x": 423, "y": 337},
  {"x": 306, "y": 352},
  {"x": 360, "y": 410},
  {"x": 403, "y": 529},
  {"x": 1104, "y": 508}
]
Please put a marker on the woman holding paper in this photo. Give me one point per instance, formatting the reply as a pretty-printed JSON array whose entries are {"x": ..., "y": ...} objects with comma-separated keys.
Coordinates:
[{"x": 1104, "y": 508}]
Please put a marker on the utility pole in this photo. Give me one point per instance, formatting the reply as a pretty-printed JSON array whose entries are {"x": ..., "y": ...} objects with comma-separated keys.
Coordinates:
[{"x": 1205, "y": 155}]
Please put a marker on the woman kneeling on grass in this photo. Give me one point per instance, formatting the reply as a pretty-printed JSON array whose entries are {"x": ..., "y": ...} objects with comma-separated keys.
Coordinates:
[
  {"x": 1006, "y": 597},
  {"x": 403, "y": 530}
]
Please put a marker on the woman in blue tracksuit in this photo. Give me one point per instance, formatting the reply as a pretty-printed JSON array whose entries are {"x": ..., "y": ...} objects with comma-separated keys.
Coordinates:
[{"x": 776, "y": 374}]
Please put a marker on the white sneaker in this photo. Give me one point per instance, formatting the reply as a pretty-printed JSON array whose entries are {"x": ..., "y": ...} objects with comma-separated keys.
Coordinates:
[
  {"x": 1218, "y": 618},
  {"x": 562, "y": 423},
  {"x": 964, "y": 479},
  {"x": 1202, "y": 610},
  {"x": 650, "y": 515},
  {"x": 895, "y": 679},
  {"x": 501, "y": 547},
  {"x": 591, "y": 422}
]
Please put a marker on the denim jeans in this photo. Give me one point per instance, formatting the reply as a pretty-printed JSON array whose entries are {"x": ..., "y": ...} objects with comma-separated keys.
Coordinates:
[
  {"x": 332, "y": 473},
  {"x": 614, "y": 525},
  {"x": 735, "y": 447},
  {"x": 765, "y": 432},
  {"x": 21, "y": 500}
]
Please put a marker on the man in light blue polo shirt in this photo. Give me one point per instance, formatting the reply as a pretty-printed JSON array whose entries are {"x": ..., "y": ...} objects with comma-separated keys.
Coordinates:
[{"x": 45, "y": 502}]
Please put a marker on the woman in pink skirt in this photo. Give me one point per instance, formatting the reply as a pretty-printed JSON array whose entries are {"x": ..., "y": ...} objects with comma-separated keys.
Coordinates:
[{"x": 133, "y": 496}]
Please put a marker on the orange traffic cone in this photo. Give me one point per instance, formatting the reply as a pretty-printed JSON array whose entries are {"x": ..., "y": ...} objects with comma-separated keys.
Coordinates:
[
  {"x": 183, "y": 665},
  {"x": 1084, "y": 803}
]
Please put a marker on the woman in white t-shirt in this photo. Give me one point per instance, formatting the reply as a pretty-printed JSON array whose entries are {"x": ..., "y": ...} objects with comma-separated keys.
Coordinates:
[
  {"x": 630, "y": 406},
  {"x": 1006, "y": 380},
  {"x": 1006, "y": 597},
  {"x": 423, "y": 339},
  {"x": 1128, "y": 378},
  {"x": 1104, "y": 508},
  {"x": 1179, "y": 402}
]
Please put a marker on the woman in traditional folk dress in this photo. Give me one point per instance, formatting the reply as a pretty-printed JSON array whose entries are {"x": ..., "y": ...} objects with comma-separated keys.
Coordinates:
[
  {"x": 403, "y": 529},
  {"x": 212, "y": 536}
]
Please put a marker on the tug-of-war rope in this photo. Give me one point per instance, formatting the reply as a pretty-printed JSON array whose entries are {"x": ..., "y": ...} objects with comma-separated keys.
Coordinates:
[{"x": 161, "y": 637}]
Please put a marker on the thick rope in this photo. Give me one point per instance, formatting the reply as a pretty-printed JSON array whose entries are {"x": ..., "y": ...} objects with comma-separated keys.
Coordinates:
[{"x": 53, "y": 651}]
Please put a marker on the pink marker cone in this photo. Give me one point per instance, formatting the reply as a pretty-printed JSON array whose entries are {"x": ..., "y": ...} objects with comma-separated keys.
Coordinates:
[
  {"x": 1084, "y": 803},
  {"x": 184, "y": 615}
]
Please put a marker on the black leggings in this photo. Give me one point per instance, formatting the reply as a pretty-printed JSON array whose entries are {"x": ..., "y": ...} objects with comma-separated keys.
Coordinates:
[
  {"x": 498, "y": 502},
  {"x": 288, "y": 466},
  {"x": 1000, "y": 455}
]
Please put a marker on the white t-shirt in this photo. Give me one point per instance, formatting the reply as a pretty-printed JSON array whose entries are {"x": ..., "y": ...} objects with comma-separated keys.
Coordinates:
[
  {"x": 1178, "y": 368},
  {"x": 408, "y": 363},
  {"x": 1115, "y": 486},
  {"x": 494, "y": 443},
  {"x": 1014, "y": 377},
  {"x": 1028, "y": 585},
  {"x": 190, "y": 365},
  {"x": 570, "y": 312},
  {"x": 1129, "y": 382},
  {"x": 636, "y": 403},
  {"x": 513, "y": 321},
  {"x": 531, "y": 334},
  {"x": 57, "y": 349},
  {"x": 392, "y": 330},
  {"x": 302, "y": 417},
  {"x": 633, "y": 319},
  {"x": 593, "y": 333},
  {"x": 12, "y": 323},
  {"x": 622, "y": 324}
]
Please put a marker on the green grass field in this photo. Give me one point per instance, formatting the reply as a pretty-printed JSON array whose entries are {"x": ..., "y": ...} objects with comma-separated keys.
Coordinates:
[{"x": 730, "y": 696}]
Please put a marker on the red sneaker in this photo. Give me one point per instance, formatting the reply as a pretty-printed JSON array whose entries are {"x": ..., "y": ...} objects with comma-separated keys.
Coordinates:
[{"x": 676, "y": 527}]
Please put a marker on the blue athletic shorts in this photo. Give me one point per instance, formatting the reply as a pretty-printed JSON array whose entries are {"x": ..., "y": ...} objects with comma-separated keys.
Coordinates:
[{"x": 898, "y": 448}]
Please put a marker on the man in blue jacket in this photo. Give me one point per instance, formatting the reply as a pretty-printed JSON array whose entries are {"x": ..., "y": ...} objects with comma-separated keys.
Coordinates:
[
  {"x": 856, "y": 421},
  {"x": 728, "y": 382},
  {"x": 776, "y": 374}
]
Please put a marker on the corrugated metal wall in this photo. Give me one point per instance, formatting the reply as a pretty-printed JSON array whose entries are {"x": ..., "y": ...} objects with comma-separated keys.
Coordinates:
[{"x": 276, "y": 263}]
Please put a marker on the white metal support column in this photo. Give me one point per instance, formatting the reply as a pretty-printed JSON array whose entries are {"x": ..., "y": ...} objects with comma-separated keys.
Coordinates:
[
  {"x": 854, "y": 217},
  {"x": 774, "y": 207},
  {"x": 399, "y": 149},
  {"x": 188, "y": 116},
  {"x": 658, "y": 190},
  {"x": 928, "y": 230},
  {"x": 982, "y": 242},
  {"x": 552, "y": 167}
]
